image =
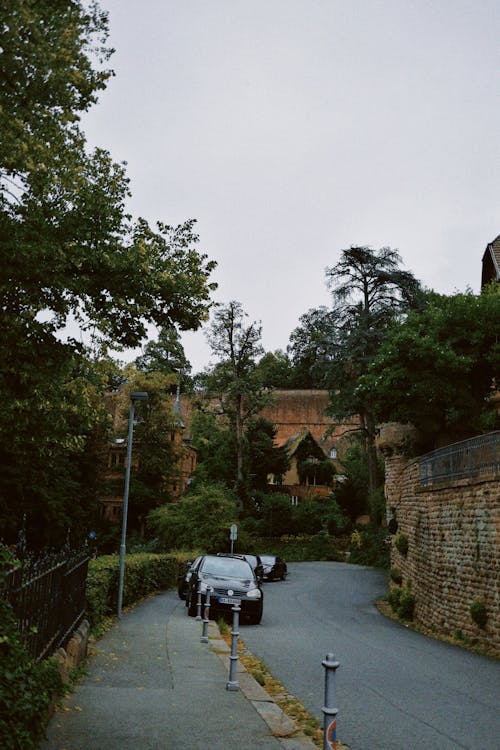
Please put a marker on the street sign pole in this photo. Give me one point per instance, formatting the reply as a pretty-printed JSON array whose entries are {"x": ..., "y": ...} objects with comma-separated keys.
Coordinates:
[{"x": 233, "y": 535}]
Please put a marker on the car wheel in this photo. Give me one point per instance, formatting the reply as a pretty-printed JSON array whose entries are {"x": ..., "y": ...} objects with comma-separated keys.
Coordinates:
[
  {"x": 256, "y": 617},
  {"x": 283, "y": 576}
]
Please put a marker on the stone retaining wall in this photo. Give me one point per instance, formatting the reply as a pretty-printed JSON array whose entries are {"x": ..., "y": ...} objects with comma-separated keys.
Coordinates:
[
  {"x": 75, "y": 652},
  {"x": 453, "y": 553}
]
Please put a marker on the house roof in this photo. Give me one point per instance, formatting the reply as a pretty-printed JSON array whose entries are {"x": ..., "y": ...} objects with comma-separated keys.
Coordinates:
[
  {"x": 295, "y": 411},
  {"x": 293, "y": 442},
  {"x": 491, "y": 262}
]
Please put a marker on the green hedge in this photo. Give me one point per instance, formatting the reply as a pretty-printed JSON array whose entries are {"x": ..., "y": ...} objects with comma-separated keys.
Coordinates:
[{"x": 144, "y": 574}]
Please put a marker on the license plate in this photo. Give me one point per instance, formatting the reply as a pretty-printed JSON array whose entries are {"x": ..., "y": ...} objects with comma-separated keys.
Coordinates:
[{"x": 228, "y": 600}]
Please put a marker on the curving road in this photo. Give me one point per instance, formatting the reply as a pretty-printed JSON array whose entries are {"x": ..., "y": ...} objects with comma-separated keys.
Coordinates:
[{"x": 395, "y": 689}]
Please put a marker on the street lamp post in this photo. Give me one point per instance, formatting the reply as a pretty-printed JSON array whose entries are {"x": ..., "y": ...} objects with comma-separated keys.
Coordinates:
[{"x": 135, "y": 396}]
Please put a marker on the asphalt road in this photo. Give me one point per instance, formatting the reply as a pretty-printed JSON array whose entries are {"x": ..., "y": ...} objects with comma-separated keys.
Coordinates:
[{"x": 395, "y": 689}]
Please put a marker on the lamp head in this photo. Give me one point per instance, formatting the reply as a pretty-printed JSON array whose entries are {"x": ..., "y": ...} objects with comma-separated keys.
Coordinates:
[{"x": 139, "y": 396}]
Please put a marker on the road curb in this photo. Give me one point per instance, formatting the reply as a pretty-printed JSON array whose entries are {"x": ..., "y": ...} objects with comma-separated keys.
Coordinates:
[{"x": 281, "y": 726}]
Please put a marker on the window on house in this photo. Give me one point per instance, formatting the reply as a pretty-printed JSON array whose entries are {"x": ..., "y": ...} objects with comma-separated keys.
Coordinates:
[
  {"x": 333, "y": 453},
  {"x": 294, "y": 500}
]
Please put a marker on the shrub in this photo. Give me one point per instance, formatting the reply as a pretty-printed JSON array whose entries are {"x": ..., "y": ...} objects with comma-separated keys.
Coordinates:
[
  {"x": 402, "y": 601},
  {"x": 368, "y": 547},
  {"x": 323, "y": 547},
  {"x": 478, "y": 612},
  {"x": 202, "y": 519},
  {"x": 27, "y": 688},
  {"x": 406, "y": 604},
  {"x": 396, "y": 575},
  {"x": 401, "y": 544}
]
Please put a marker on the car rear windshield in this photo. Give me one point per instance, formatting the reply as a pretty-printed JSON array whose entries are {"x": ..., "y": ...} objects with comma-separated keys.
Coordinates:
[{"x": 227, "y": 566}]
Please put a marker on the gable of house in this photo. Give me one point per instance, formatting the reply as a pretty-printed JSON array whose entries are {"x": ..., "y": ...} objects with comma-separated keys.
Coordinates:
[
  {"x": 295, "y": 411},
  {"x": 491, "y": 263}
]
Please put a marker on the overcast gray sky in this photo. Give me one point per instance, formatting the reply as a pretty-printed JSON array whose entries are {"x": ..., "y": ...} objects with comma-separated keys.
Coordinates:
[{"x": 291, "y": 129}]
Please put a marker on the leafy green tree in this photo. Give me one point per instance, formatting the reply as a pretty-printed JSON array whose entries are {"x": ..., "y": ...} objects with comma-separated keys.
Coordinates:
[
  {"x": 52, "y": 441},
  {"x": 264, "y": 457},
  {"x": 235, "y": 378},
  {"x": 70, "y": 255},
  {"x": 351, "y": 493},
  {"x": 370, "y": 292},
  {"x": 276, "y": 370},
  {"x": 216, "y": 449},
  {"x": 156, "y": 449},
  {"x": 437, "y": 368},
  {"x": 164, "y": 355},
  {"x": 201, "y": 521},
  {"x": 311, "y": 347},
  {"x": 276, "y": 515}
]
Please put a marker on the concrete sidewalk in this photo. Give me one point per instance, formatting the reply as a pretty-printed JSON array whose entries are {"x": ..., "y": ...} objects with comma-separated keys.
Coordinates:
[{"x": 152, "y": 685}]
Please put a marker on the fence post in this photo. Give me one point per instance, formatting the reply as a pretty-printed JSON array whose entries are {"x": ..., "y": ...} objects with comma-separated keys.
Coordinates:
[
  {"x": 329, "y": 711},
  {"x": 198, "y": 604},
  {"x": 233, "y": 683},
  {"x": 206, "y": 617}
]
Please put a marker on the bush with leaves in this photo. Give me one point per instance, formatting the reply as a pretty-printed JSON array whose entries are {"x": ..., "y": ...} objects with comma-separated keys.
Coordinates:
[
  {"x": 401, "y": 543},
  {"x": 368, "y": 547},
  {"x": 27, "y": 688},
  {"x": 144, "y": 574},
  {"x": 435, "y": 369},
  {"x": 402, "y": 601},
  {"x": 352, "y": 492},
  {"x": 200, "y": 520},
  {"x": 479, "y": 613}
]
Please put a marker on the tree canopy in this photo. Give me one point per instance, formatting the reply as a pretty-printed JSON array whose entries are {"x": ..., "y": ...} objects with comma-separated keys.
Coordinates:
[
  {"x": 235, "y": 379},
  {"x": 71, "y": 255},
  {"x": 437, "y": 368},
  {"x": 201, "y": 521},
  {"x": 370, "y": 292}
]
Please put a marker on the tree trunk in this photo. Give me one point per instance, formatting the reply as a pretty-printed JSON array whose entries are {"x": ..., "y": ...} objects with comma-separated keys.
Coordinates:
[
  {"x": 371, "y": 452},
  {"x": 239, "y": 447}
]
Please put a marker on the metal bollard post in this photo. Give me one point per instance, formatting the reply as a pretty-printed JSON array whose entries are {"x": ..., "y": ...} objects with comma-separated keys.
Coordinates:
[
  {"x": 329, "y": 711},
  {"x": 198, "y": 604},
  {"x": 233, "y": 683},
  {"x": 206, "y": 617}
]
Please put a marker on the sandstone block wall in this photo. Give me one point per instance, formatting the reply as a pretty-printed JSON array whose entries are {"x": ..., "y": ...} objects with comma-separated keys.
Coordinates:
[{"x": 453, "y": 557}]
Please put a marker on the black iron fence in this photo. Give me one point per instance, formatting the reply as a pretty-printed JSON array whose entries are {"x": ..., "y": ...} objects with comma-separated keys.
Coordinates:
[
  {"x": 469, "y": 458},
  {"x": 47, "y": 594}
]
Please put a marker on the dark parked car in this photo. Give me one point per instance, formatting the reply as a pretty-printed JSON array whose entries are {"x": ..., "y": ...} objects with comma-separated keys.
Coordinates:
[
  {"x": 254, "y": 560},
  {"x": 184, "y": 578},
  {"x": 274, "y": 568},
  {"x": 256, "y": 564},
  {"x": 232, "y": 581}
]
